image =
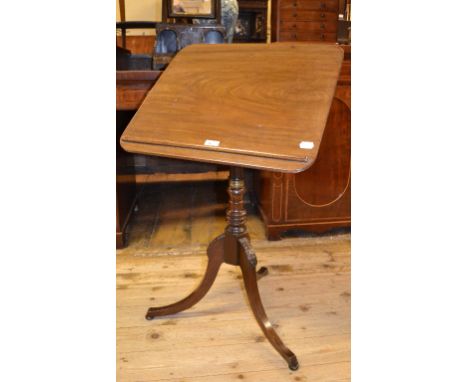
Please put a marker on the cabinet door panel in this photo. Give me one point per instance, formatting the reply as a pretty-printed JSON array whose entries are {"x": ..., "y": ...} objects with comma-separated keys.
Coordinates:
[{"x": 329, "y": 178}]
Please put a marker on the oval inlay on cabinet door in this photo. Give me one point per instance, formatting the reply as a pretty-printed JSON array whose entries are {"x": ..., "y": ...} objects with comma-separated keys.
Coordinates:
[{"x": 329, "y": 177}]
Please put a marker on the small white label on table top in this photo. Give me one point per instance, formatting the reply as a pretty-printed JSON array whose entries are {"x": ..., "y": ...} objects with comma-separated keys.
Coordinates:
[
  {"x": 306, "y": 145},
  {"x": 211, "y": 142}
]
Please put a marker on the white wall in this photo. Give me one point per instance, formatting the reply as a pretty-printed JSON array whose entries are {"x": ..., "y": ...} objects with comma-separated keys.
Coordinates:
[{"x": 140, "y": 10}]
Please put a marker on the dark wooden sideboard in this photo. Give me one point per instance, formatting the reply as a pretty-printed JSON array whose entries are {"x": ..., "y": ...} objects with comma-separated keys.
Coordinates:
[{"x": 319, "y": 198}]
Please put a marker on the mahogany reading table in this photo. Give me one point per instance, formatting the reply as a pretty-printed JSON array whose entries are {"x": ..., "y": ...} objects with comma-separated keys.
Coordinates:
[{"x": 262, "y": 106}]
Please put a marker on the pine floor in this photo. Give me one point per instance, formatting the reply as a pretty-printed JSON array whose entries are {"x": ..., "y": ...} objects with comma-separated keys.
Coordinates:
[{"x": 306, "y": 296}]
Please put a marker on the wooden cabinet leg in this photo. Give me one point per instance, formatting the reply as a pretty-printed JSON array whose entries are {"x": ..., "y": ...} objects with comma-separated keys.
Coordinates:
[
  {"x": 215, "y": 259},
  {"x": 273, "y": 234}
]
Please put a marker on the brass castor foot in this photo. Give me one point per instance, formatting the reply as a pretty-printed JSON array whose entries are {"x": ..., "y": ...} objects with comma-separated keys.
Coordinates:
[
  {"x": 262, "y": 272},
  {"x": 293, "y": 364},
  {"x": 149, "y": 317}
]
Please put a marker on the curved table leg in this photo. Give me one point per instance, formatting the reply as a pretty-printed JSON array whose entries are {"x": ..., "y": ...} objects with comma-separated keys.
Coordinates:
[
  {"x": 215, "y": 259},
  {"x": 247, "y": 264}
]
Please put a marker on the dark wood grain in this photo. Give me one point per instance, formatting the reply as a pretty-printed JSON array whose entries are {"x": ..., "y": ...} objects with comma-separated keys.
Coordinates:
[{"x": 260, "y": 101}]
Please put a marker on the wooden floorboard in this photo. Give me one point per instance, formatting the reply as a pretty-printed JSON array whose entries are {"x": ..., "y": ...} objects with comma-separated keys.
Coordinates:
[{"x": 306, "y": 295}]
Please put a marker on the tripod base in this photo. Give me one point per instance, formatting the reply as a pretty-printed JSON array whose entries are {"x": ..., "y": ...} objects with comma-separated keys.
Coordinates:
[{"x": 233, "y": 247}]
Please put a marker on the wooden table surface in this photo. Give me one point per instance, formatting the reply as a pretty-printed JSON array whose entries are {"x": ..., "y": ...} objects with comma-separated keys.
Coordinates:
[{"x": 262, "y": 106}]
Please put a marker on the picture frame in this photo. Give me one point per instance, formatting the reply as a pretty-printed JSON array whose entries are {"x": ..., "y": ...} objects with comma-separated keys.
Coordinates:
[{"x": 200, "y": 9}]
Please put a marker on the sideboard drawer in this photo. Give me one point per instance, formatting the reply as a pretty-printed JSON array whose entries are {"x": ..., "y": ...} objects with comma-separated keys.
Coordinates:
[
  {"x": 312, "y": 5},
  {"x": 306, "y": 36},
  {"x": 310, "y": 26},
  {"x": 305, "y": 15}
]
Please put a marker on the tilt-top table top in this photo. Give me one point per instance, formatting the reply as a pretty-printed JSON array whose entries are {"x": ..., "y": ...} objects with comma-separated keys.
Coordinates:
[{"x": 262, "y": 106}]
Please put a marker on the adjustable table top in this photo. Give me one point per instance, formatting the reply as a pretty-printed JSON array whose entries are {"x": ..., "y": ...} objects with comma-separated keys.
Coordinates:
[{"x": 262, "y": 106}]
